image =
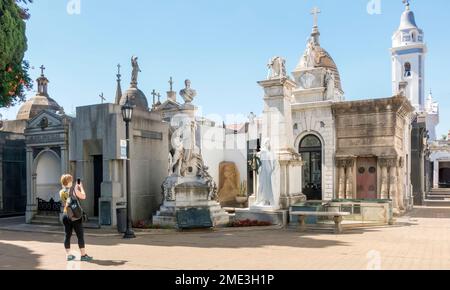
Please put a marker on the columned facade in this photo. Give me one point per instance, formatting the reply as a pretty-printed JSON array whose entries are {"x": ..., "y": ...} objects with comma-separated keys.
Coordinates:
[{"x": 47, "y": 159}]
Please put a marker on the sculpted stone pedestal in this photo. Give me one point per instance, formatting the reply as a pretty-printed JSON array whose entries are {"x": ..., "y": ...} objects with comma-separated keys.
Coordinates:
[{"x": 188, "y": 193}]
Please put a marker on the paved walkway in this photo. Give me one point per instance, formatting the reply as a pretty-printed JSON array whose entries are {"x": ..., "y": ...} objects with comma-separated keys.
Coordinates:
[{"x": 418, "y": 241}]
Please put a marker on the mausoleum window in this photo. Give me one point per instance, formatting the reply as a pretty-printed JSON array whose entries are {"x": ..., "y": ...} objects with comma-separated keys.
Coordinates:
[
  {"x": 407, "y": 70},
  {"x": 310, "y": 141}
]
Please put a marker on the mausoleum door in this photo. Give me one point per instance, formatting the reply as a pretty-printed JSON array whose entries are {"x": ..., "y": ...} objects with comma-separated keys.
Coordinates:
[
  {"x": 444, "y": 175},
  {"x": 311, "y": 151},
  {"x": 366, "y": 172},
  {"x": 98, "y": 180}
]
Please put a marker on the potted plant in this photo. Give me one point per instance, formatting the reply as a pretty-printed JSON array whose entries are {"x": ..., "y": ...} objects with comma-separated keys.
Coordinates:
[{"x": 242, "y": 197}]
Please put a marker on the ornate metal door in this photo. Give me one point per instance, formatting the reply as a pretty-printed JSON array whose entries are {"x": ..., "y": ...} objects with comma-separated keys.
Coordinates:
[
  {"x": 311, "y": 151},
  {"x": 366, "y": 178}
]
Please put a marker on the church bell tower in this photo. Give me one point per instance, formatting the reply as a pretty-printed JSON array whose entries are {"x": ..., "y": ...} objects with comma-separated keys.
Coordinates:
[{"x": 408, "y": 60}]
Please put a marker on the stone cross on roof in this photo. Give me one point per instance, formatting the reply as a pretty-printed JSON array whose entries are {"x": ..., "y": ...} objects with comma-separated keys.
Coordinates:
[
  {"x": 315, "y": 12},
  {"x": 42, "y": 70},
  {"x": 154, "y": 94},
  {"x": 102, "y": 97},
  {"x": 118, "y": 71}
]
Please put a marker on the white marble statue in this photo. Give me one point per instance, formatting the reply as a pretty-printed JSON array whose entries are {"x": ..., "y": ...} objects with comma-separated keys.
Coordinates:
[
  {"x": 309, "y": 58},
  {"x": 188, "y": 94},
  {"x": 136, "y": 70},
  {"x": 277, "y": 68},
  {"x": 329, "y": 83},
  {"x": 186, "y": 162},
  {"x": 267, "y": 196},
  {"x": 177, "y": 158},
  {"x": 189, "y": 140}
]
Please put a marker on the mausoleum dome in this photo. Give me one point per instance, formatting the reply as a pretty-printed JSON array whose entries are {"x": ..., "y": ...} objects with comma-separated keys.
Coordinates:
[
  {"x": 35, "y": 105},
  {"x": 38, "y": 103},
  {"x": 325, "y": 60},
  {"x": 136, "y": 97},
  {"x": 320, "y": 58}
]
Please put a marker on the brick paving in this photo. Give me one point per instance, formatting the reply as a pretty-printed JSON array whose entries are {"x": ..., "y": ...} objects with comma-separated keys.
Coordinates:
[{"x": 420, "y": 240}]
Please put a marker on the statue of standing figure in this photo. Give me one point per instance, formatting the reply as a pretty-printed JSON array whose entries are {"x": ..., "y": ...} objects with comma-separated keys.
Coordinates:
[
  {"x": 329, "y": 84},
  {"x": 277, "y": 68},
  {"x": 184, "y": 150},
  {"x": 136, "y": 70},
  {"x": 309, "y": 57},
  {"x": 266, "y": 194},
  {"x": 176, "y": 162}
]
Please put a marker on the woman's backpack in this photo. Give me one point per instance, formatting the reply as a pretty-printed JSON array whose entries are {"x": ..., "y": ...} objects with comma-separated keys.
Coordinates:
[{"x": 74, "y": 210}]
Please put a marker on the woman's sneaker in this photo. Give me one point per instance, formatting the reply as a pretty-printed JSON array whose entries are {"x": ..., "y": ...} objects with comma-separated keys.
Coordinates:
[
  {"x": 71, "y": 258},
  {"x": 86, "y": 258}
]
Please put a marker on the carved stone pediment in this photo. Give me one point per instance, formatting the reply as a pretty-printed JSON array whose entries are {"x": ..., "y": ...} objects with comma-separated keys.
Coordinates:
[
  {"x": 44, "y": 120},
  {"x": 169, "y": 105}
]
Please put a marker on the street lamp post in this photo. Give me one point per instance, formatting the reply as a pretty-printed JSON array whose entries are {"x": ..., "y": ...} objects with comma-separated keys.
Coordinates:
[{"x": 127, "y": 114}]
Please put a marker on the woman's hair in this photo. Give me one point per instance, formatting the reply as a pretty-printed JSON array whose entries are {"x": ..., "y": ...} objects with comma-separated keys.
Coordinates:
[{"x": 66, "y": 179}]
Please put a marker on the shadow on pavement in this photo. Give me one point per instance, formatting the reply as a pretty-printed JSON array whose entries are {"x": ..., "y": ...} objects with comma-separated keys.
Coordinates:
[
  {"x": 230, "y": 240},
  {"x": 107, "y": 263},
  {"x": 13, "y": 257}
]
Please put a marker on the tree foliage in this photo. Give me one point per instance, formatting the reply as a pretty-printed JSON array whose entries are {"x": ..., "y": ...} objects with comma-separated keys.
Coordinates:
[{"x": 14, "y": 79}]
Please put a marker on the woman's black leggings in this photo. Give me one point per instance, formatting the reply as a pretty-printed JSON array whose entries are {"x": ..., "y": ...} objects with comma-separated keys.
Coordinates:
[{"x": 69, "y": 227}]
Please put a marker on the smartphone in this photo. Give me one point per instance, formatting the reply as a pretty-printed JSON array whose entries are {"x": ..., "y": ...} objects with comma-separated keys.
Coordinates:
[{"x": 78, "y": 181}]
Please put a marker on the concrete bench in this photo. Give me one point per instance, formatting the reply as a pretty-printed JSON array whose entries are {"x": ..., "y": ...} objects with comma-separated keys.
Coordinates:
[{"x": 337, "y": 217}]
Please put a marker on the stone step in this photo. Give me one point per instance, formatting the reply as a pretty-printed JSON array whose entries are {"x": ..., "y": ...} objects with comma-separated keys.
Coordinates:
[
  {"x": 434, "y": 197},
  {"x": 54, "y": 221},
  {"x": 437, "y": 203},
  {"x": 445, "y": 192},
  {"x": 93, "y": 223},
  {"x": 46, "y": 220}
]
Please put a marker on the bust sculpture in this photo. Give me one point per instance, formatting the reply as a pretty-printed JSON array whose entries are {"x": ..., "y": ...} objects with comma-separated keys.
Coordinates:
[{"x": 187, "y": 93}]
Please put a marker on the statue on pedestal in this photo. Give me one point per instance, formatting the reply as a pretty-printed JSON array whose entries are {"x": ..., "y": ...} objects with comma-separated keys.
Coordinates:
[
  {"x": 136, "y": 70},
  {"x": 187, "y": 93},
  {"x": 277, "y": 68},
  {"x": 186, "y": 163}
]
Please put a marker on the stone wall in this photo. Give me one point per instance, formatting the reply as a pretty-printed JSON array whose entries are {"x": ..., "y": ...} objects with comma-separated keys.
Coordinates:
[
  {"x": 377, "y": 128},
  {"x": 97, "y": 130}
]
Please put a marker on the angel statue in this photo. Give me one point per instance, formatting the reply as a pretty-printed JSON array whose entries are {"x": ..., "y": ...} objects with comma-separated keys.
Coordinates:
[{"x": 136, "y": 70}]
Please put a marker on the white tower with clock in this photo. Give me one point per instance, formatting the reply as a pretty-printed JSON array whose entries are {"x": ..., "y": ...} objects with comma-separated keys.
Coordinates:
[{"x": 408, "y": 60}]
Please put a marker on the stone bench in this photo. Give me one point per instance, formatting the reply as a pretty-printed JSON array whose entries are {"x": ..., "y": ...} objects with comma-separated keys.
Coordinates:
[{"x": 337, "y": 217}]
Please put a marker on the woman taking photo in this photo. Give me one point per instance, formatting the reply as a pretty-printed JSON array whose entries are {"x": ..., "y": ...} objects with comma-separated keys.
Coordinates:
[{"x": 72, "y": 219}]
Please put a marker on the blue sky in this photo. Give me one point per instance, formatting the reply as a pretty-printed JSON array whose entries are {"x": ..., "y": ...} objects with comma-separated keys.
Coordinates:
[{"x": 223, "y": 46}]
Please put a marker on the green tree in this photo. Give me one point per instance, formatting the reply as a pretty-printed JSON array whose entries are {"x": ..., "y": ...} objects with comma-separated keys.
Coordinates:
[{"x": 14, "y": 79}]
